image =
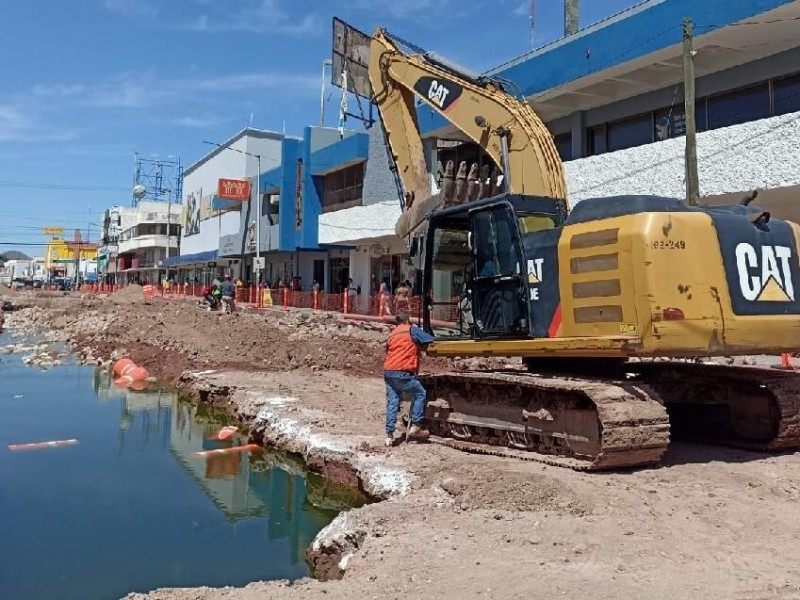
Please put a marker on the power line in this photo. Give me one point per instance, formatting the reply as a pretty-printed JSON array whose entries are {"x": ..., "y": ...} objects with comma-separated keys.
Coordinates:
[{"x": 63, "y": 186}]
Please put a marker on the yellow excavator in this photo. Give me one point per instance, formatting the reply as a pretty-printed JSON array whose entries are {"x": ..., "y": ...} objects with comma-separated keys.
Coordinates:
[{"x": 613, "y": 305}]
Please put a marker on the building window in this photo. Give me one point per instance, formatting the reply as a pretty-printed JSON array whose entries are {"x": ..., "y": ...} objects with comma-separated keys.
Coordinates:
[
  {"x": 740, "y": 106},
  {"x": 563, "y": 144},
  {"x": 597, "y": 140},
  {"x": 786, "y": 95},
  {"x": 631, "y": 132},
  {"x": 343, "y": 188}
]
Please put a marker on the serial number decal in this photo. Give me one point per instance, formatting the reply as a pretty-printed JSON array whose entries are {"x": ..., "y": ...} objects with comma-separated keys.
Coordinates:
[
  {"x": 667, "y": 244},
  {"x": 628, "y": 329}
]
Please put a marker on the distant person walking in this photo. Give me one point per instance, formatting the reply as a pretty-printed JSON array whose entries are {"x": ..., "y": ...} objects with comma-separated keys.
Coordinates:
[
  {"x": 402, "y": 298},
  {"x": 352, "y": 295},
  {"x": 400, "y": 370}
]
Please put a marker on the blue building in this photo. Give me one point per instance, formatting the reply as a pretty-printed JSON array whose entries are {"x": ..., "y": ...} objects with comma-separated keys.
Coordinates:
[{"x": 611, "y": 95}]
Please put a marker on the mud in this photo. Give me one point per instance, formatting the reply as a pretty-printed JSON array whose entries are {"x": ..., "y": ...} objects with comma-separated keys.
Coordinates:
[{"x": 707, "y": 522}]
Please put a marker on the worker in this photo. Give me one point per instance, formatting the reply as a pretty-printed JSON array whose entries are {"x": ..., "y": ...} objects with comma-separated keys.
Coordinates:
[
  {"x": 208, "y": 294},
  {"x": 228, "y": 290},
  {"x": 400, "y": 370}
]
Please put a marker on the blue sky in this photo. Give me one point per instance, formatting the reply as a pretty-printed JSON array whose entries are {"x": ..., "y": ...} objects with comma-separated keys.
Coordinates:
[{"x": 87, "y": 83}]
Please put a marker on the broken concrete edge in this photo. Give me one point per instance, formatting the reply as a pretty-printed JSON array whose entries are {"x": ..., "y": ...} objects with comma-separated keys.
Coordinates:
[{"x": 338, "y": 458}]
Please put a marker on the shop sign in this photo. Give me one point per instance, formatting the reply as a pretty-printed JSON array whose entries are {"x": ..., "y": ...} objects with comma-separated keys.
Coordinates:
[
  {"x": 234, "y": 189},
  {"x": 298, "y": 196}
]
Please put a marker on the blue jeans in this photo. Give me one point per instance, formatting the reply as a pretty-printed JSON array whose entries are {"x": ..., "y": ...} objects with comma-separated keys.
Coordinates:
[{"x": 397, "y": 383}]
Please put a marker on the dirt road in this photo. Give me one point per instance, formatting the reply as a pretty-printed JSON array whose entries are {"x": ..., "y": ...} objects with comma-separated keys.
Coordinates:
[{"x": 707, "y": 523}]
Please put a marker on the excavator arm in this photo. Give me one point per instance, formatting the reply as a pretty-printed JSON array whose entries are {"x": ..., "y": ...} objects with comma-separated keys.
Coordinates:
[{"x": 507, "y": 129}]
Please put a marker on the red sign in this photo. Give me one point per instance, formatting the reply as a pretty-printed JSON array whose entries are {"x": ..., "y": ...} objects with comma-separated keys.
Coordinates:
[{"x": 234, "y": 189}]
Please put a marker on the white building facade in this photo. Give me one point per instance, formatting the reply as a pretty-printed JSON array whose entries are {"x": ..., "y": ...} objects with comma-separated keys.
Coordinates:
[{"x": 207, "y": 219}]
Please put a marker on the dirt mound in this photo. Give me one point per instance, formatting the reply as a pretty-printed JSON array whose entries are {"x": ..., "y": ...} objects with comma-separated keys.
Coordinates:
[
  {"x": 4, "y": 290},
  {"x": 130, "y": 294},
  {"x": 258, "y": 341},
  {"x": 489, "y": 487}
]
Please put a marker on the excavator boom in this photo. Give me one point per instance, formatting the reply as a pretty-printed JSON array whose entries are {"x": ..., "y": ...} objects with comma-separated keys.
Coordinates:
[{"x": 506, "y": 128}]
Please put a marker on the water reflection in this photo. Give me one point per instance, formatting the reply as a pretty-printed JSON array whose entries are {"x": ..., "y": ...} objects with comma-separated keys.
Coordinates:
[
  {"x": 131, "y": 508},
  {"x": 270, "y": 483}
]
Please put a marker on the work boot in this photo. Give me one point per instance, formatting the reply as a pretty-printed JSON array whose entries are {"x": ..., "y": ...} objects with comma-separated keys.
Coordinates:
[
  {"x": 389, "y": 440},
  {"x": 417, "y": 434}
]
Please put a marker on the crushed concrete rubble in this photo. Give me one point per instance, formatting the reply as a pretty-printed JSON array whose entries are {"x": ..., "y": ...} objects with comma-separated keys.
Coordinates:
[{"x": 710, "y": 522}]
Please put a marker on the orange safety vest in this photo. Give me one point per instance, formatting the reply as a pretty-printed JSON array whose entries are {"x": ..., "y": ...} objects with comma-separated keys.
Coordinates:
[{"x": 402, "y": 354}]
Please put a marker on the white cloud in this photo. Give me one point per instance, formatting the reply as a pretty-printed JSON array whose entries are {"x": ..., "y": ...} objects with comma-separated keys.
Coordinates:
[
  {"x": 523, "y": 10},
  {"x": 434, "y": 14},
  {"x": 256, "y": 16},
  {"x": 17, "y": 125},
  {"x": 199, "y": 122},
  {"x": 147, "y": 9},
  {"x": 146, "y": 89}
]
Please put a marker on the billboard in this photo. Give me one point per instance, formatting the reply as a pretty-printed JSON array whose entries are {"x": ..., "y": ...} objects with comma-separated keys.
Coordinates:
[
  {"x": 191, "y": 225},
  {"x": 234, "y": 189},
  {"x": 53, "y": 231},
  {"x": 351, "y": 59}
]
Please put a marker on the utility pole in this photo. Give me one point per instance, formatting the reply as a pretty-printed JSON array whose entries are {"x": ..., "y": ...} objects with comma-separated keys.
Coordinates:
[
  {"x": 692, "y": 178},
  {"x": 169, "y": 221}
]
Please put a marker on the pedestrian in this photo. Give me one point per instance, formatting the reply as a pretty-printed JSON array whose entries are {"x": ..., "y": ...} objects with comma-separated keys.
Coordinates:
[
  {"x": 402, "y": 298},
  {"x": 228, "y": 290},
  {"x": 352, "y": 295},
  {"x": 400, "y": 370},
  {"x": 385, "y": 297}
]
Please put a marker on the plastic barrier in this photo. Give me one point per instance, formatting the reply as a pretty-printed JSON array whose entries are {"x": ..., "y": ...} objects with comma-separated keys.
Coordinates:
[
  {"x": 247, "y": 448},
  {"x": 149, "y": 291},
  {"x": 39, "y": 445}
]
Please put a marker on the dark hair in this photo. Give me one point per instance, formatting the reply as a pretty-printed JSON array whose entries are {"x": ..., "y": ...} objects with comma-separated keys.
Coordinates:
[{"x": 401, "y": 318}]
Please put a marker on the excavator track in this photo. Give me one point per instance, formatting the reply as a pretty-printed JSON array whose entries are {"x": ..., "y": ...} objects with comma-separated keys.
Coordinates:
[
  {"x": 744, "y": 407},
  {"x": 578, "y": 423}
]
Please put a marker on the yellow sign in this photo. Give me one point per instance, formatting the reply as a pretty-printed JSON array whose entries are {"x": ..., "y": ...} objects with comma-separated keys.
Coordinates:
[
  {"x": 52, "y": 231},
  {"x": 628, "y": 329},
  {"x": 59, "y": 251}
]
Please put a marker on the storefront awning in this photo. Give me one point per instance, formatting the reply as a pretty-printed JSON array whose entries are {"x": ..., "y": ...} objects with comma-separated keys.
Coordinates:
[{"x": 191, "y": 259}]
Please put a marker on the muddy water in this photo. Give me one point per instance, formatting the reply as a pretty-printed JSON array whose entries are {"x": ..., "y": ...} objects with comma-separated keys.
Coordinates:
[{"x": 130, "y": 507}]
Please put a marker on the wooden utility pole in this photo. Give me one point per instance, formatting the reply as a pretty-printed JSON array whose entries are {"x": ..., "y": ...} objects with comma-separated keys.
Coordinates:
[{"x": 692, "y": 179}]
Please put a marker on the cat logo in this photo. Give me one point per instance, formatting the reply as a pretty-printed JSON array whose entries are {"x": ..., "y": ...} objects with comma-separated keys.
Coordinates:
[
  {"x": 765, "y": 278},
  {"x": 535, "y": 275},
  {"x": 441, "y": 94},
  {"x": 437, "y": 93}
]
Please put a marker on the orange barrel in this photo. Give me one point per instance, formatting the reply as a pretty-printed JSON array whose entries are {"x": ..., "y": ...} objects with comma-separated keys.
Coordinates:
[
  {"x": 126, "y": 370},
  {"x": 138, "y": 374},
  {"x": 121, "y": 364}
]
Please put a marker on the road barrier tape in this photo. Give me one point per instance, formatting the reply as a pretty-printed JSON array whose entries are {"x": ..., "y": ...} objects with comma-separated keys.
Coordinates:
[
  {"x": 247, "y": 448},
  {"x": 38, "y": 445}
]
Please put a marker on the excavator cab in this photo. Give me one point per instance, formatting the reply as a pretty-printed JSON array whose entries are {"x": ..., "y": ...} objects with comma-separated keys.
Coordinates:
[{"x": 477, "y": 281}]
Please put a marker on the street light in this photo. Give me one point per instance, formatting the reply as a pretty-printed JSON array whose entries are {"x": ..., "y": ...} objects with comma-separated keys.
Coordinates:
[
  {"x": 258, "y": 204},
  {"x": 325, "y": 63}
]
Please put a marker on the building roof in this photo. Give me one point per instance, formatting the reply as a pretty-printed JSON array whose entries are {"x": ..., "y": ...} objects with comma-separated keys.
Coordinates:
[
  {"x": 639, "y": 50},
  {"x": 247, "y": 131}
]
